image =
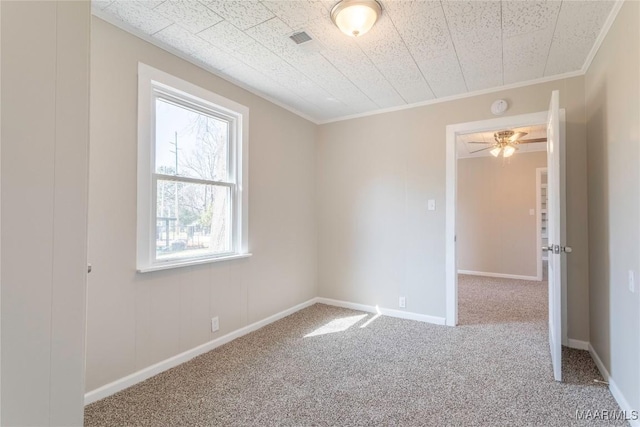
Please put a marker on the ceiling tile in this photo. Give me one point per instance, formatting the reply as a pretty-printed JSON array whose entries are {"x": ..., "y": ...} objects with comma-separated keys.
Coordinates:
[
  {"x": 418, "y": 50},
  {"x": 423, "y": 27},
  {"x": 260, "y": 82},
  {"x": 274, "y": 31},
  {"x": 138, "y": 15},
  {"x": 260, "y": 58},
  {"x": 274, "y": 35},
  {"x": 181, "y": 39},
  {"x": 325, "y": 75},
  {"x": 412, "y": 92},
  {"x": 384, "y": 45},
  {"x": 474, "y": 24},
  {"x": 407, "y": 79},
  {"x": 151, "y": 4},
  {"x": 443, "y": 75},
  {"x": 226, "y": 37},
  {"x": 389, "y": 101},
  {"x": 247, "y": 75},
  {"x": 482, "y": 68},
  {"x": 191, "y": 15},
  {"x": 297, "y": 13},
  {"x": 476, "y": 31},
  {"x": 397, "y": 7},
  {"x": 348, "y": 58},
  {"x": 364, "y": 75},
  {"x": 579, "y": 24},
  {"x": 487, "y": 80},
  {"x": 216, "y": 58},
  {"x": 521, "y": 17},
  {"x": 242, "y": 14},
  {"x": 525, "y": 56},
  {"x": 329, "y": 35}
]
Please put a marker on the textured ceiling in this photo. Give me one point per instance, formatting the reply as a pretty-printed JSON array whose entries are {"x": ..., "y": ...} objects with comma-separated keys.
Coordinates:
[
  {"x": 418, "y": 51},
  {"x": 465, "y": 149}
]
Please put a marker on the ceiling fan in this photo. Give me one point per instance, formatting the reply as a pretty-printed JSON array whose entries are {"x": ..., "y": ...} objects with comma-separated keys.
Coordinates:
[{"x": 506, "y": 142}]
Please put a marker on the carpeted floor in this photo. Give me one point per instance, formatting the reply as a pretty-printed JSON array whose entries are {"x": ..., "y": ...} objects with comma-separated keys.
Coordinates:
[{"x": 331, "y": 366}]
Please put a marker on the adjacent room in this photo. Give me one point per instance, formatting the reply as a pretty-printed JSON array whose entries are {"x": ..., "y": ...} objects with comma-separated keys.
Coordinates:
[
  {"x": 501, "y": 223},
  {"x": 310, "y": 212}
]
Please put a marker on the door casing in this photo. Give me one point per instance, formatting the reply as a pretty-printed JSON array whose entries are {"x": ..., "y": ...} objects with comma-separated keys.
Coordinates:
[{"x": 453, "y": 130}]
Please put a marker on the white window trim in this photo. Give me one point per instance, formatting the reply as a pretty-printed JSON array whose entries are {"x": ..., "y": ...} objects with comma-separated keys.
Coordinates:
[{"x": 150, "y": 79}]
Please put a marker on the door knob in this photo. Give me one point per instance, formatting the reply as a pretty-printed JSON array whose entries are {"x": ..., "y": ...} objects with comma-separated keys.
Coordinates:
[{"x": 566, "y": 249}]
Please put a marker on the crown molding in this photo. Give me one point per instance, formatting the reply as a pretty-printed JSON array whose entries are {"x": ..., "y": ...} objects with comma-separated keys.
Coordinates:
[
  {"x": 459, "y": 96},
  {"x": 603, "y": 34}
]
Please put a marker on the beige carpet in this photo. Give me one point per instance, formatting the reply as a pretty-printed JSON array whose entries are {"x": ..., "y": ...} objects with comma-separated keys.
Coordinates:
[{"x": 339, "y": 367}]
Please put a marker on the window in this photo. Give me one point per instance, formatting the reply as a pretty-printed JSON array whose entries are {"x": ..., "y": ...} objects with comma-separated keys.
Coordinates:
[{"x": 192, "y": 174}]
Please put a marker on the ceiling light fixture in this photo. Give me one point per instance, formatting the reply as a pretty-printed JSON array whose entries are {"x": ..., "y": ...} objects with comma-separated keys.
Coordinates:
[
  {"x": 506, "y": 143},
  {"x": 508, "y": 150},
  {"x": 356, "y": 17}
]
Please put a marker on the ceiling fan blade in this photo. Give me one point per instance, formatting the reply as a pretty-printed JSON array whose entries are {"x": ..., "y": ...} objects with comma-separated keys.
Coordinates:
[
  {"x": 482, "y": 149},
  {"x": 478, "y": 142},
  {"x": 517, "y": 136},
  {"x": 532, "y": 141}
]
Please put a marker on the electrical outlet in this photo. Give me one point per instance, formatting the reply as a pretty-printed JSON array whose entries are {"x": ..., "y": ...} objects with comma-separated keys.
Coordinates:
[
  {"x": 632, "y": 282},
  {"x": 402, "y": 302},
  {"x": 215, "y": 324}
]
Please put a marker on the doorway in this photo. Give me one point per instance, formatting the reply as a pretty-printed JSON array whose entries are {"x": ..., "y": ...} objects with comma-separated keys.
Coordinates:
[
  {"x": 453, "y": 132},
  {"x": 500, "y": 204}
]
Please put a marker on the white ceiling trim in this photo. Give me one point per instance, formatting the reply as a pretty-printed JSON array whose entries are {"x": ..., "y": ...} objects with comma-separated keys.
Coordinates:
[
  {"x": 459, "y": 96},
  {"x": 603, "y": 33},
  {"x": 134, "y": 31},
  {"x": 154, "y": 41}
]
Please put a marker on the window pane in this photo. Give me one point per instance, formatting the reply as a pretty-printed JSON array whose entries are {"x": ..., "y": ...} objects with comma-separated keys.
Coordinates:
[
  {"x": 195, "y": 223},
  {"x": 189, "y": 143}
]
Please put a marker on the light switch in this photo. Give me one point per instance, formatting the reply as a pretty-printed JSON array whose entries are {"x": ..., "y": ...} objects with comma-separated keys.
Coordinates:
[
  {"x": 431, "y": 204},
  {"x": 532, "y": 212},
  {"x": 632, "y": 282}
]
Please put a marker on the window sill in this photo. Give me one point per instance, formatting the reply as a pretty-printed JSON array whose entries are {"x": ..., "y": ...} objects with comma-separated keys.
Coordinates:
[{"x": 169, "y": 266}]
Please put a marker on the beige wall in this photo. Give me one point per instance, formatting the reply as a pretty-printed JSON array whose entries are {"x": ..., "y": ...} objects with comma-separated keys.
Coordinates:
[
  {"x": 613, "y": 129},
  {"x": 494, "y": 229},
  {"x": 45, "y": 130},
  {"x": 378, "y": 241},
  {"x": 136, "y": 320}
]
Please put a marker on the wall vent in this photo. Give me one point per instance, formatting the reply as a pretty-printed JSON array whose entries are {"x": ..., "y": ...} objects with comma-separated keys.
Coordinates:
[{"x": 300, "y": 37}]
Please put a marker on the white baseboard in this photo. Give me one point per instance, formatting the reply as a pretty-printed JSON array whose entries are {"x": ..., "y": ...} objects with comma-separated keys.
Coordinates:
[
  {"x": 384, "y": 311},
  {"x": 599, "y": 364},
  {"x": 615, "y": 391},
  {"x": 577, "y": 344},
  {"x": 148, "y": 372},
  {"x": 499, "y": 275},
  {"x": 623, "y": 403}
]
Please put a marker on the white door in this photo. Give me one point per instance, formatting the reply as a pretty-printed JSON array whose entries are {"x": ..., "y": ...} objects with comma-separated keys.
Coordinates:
[{"x": 555, "y": 248}]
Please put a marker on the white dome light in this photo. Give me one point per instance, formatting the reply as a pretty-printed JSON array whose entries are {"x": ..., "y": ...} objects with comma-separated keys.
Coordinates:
[{"x": 356, "y": 17}]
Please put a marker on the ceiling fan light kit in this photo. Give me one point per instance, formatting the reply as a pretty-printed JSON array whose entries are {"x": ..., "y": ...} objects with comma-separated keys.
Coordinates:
[
  {"x": 508, "y": 151},
  {"x": 356, "y": 17},
  {"x": 506, "y": 142}
]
